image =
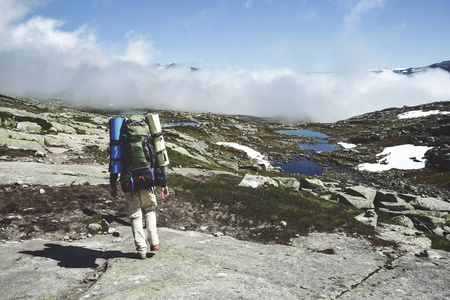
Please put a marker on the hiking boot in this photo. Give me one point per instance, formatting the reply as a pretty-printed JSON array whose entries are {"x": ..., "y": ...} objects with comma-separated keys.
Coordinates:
[
  {"x": 154, "y": 248},
  {"x": 141, "y": 255}
]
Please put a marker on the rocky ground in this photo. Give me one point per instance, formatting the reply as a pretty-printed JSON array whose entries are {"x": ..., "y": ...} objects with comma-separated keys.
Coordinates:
[
  {"x": 52, "y": 135},
  {"x": 55, "y": 183}
]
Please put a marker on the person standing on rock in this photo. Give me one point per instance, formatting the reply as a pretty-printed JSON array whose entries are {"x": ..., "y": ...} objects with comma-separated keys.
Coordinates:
[{"x": 140, "y": 173}]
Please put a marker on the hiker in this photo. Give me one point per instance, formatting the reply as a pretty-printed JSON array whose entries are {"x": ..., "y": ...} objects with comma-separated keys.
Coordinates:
[{"x": 140, "y": 173}]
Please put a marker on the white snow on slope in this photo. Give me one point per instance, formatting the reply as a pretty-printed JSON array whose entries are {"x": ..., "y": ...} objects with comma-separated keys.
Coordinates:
[
  {"x": 421, "y": 113},
  {"x": 250, "y": 152},
  {"x": 347, "y": 145},
  {"x": 403, "y": 157}
]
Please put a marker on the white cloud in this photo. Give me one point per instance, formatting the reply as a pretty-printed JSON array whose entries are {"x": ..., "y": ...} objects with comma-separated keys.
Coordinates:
[
  {"x": 139, "y": 50},
  {"x": 39, "y": 59},
  {"x": 11, "y": 11},
  {"x": 358, "y": 10}
]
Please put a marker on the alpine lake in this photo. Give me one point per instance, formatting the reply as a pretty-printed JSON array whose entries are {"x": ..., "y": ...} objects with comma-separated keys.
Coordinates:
[{"x": 304, "y": 165}]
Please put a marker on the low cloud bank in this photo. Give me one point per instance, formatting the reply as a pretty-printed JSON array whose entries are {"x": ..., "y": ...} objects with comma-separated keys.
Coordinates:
[{"x": 39, "y": 59}]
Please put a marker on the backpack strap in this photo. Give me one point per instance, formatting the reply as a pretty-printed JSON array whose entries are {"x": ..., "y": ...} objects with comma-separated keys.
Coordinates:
[{"x": 132, "y": 183}]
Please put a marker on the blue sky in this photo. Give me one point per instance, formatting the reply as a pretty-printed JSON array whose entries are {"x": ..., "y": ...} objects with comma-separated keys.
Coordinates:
[
  {"x": 307, "y": 35},
  {"x": 260, "y": 57}
]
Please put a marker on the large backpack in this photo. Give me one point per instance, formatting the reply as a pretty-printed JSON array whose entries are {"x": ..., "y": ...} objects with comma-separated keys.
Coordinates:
[{"x": 138, "y": 156}]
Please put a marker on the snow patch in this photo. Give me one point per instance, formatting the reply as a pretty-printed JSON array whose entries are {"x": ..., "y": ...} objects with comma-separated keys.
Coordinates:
[
  {"x": 403, "y": 157},
  {"x": 347, "y": 145},
  {"x": 250, "y": 152},
  {"x": 421, "y": 113}
]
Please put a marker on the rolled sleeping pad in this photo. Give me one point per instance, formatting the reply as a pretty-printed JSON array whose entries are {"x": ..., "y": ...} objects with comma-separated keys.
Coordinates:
[
  {"x": 115, "y": 156},
  {"x": 114, "y": 128},
  {"x": 155, "y": 124},
  {"x": 162, "y": 159},
  {"x": 115, "y": 159}
]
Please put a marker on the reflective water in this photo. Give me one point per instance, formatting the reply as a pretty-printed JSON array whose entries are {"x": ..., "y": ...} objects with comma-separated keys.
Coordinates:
[
  {"x": 304, "y": 132},
  {"x": 304, "y": 165},
  {"x": 321, "y": 142},
  {"x": 180, "y": 123},
  {"x": 324, "y": 147}
]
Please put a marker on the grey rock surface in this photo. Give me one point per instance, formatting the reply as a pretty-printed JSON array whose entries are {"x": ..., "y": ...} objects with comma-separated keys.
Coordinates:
[
  {"x": 49, "y": 174},
  {"x": 192, "y": 265}
]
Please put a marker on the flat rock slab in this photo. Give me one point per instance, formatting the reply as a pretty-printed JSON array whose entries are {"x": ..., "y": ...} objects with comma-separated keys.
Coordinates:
[
  {"x": 44, "y": 269},
  {"x": 192, "y": 265},
  {"x": 51, "y": 174},
  {"x": 65, "y": 174}
]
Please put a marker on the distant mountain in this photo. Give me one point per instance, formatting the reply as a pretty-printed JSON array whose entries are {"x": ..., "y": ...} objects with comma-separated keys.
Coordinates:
[
  {"x": 175, "y": 66},
  {"x": 445, "y": 65}
]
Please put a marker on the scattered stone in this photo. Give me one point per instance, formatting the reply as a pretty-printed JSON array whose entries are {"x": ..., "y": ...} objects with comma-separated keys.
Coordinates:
[
  {"x": 430, "y": 203},
  {"x": 404, "y": 221},
  {"x": 29, "y": 127},
  {"x": 105, "y": 226},
  {"x": 255, "y": 181},
  {"x": 80, "y": 182},
  {"x": 41, "y": 191},
  {"x": 369, "y": 219},
  {"x": 39, "y": 154},
  {"x": 313, "y": 184},
  {"x": 95, "y": 227},
  {"x": 288, "y": 182}
]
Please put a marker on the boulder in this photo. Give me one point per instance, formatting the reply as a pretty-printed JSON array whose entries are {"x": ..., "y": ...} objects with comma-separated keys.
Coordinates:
[
  {"x": 439, "y": 158},
  {"x": 401, "y": 206},
  {"x": 288, "y": 182},
  {"x": 63, "y": 128},
  {"x": 430, "y": 203},
  {"x": 358, "y": 202},
  {"x": 255, "y": 181},
  {"x": 312, "y": 184},
  {"x": 427, "y": 222},
  {"x": 361, "y": 191},
  {"x": 385, "y": 196},
  {"x": 368, "y": 218},
  {"x": 29, "y": 127},
  {"x": 404, "y": 221}
]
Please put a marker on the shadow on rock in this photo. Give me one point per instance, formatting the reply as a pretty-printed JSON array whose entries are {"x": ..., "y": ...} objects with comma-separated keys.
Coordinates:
[
  {"x": 76, "y": 257},
  {"x": 109, "y": 218}
]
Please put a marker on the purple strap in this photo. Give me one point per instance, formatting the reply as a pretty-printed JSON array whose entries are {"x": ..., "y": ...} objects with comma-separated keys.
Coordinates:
[
  {"x": 132, "y": 184},
  {"x": 153, "y": 177}
]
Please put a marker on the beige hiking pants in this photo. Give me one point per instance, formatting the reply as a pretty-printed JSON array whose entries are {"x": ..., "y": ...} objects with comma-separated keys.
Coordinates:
[{"x": 138, "y": 206}]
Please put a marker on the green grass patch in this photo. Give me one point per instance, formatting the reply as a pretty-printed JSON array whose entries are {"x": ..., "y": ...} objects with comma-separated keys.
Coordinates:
[
  {"x": 429, "y": 176},
  {"x": 303, "y": 212},
  {"x": 6, "y": 151},
  {"x": 177, "y": 159},
  {"x": 438, "y": 242},
  {"x": 100, "y": 156}
]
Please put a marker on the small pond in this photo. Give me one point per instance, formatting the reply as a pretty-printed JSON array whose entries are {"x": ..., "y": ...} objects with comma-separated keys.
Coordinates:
[
  {"x": 179, "y": 123},
  {"x": 304, "y": 132},
  {"x": 304, "y": 165}
]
